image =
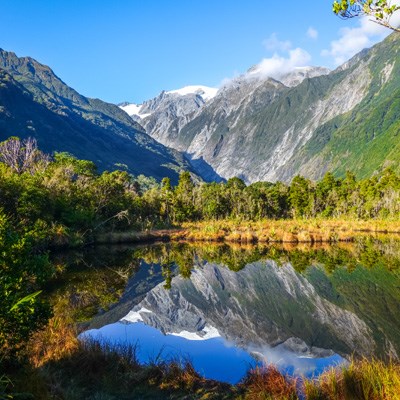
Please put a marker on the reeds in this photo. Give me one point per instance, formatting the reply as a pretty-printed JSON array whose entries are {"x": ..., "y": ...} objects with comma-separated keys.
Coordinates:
[
  {"x": 268, "y": 383},
  {"x": 360, "y": 380},
  {"x": 284, "y": 231}
]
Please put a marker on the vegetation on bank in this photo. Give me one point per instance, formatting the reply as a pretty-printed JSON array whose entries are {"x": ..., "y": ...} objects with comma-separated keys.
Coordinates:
[
  {"x": 58, "y": 201},
  {"x": 313, "y": 230},
  {"x": 64, "y": 201}
]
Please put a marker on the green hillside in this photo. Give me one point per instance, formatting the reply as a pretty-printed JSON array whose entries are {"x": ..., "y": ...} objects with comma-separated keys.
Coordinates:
[{"x": 35, "y": 102}]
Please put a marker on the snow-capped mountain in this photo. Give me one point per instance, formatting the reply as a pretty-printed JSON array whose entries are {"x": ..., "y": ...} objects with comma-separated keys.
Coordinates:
[
  {"x": 168, "y": 118},
  {"x": 202, "y": 94},
  {"x": 133, "y": 110},
  {"x": 164, "y": 116}
]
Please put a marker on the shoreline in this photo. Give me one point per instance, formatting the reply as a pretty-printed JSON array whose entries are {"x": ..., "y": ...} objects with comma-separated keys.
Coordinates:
[{"x": 268, "y": 231}]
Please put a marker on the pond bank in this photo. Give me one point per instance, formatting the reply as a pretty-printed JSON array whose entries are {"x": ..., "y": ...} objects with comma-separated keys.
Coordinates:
[
  {"x": 267, "y": 231},
  {"x": 105, "y": 372}
]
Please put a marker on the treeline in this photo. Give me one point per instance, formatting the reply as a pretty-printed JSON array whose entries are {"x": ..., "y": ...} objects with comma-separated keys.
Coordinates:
[
  {"x": 376, "y": 197},
  {"x": 69, "y": 200}
]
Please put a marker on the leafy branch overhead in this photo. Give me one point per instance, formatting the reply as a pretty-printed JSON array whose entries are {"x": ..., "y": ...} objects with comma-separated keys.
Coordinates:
[{"x": 380, "y": 10}]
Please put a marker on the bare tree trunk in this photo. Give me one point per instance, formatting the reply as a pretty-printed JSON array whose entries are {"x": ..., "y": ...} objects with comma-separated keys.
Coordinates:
[{"x": 23, "y": 156}]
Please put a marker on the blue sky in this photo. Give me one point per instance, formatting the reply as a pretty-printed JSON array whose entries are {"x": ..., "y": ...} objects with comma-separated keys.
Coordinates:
[{"x": 132, "y": 49}]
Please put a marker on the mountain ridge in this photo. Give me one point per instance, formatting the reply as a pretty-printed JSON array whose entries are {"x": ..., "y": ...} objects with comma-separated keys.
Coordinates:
[{"x": 63, "y": 120}]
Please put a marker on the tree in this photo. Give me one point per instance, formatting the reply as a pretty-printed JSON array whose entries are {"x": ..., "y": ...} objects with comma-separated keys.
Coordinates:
[
  {"x": 22, "y": 156},
  {"x": 300, "y": 195},
  {"x": 167, "y": 198},
  {"x": 234, "y": 194},
  {"x": 326, "y": 197},
  {"x": 184, "y": 205},
  {"x": 380, "y": 10}
]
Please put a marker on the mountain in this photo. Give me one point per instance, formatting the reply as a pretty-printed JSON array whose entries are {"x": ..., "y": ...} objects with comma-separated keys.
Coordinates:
[
  {"x": 298, "y": 75},
  {"x": 366, "y": 137},
  {"x": 35, "y": 102},
  {"x": 307, "y": 122},
  {"x": 200, "y": 93},
  {"x": 165, "y": 115},
  {"x": 263, "y": 304}
]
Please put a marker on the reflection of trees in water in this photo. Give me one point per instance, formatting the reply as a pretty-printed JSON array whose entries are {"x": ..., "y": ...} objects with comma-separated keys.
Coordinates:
[
  {"x": 93, "y": 280},
  {"x": 367, "y": 252}
]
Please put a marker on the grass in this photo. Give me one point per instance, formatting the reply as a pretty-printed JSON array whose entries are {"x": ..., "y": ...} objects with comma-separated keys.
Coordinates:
[
  {"x": 104, "y": 371},
  {"x": 314, "y": 230},
  {"x": 57, "y": 340},
  {"x": 283, "y": 231},
  {"x": 361, "y": 380},
  {"x": 268, "y": 383}
]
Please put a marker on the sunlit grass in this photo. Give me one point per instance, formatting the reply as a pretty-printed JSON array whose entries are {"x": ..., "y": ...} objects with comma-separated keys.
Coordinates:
[
  {"x": 361, "y": 380},
  {"x": 268, "y": 383},
  {"x": 287, "y": 231}
]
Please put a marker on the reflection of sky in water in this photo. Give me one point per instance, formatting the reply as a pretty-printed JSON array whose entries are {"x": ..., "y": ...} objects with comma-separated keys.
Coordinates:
[
  {"x": 292, "y": 363},
  {"x": 214, "y": 358}
]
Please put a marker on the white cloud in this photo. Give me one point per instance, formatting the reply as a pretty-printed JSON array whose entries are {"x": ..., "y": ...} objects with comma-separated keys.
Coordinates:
[
  {"x": 285, "y": 59},
  {"x": 278, "y": 65},
  {"x": 312, "y": 33},
  {"x": 353, "y": 40},
  {"x": 274, "y": 44}
]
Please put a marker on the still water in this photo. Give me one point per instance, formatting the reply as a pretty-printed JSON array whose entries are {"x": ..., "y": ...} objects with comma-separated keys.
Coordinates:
[{"x": 227, "y": 308}]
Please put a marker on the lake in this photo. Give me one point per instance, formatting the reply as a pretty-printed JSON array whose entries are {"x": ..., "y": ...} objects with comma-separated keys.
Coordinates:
[{"x": 229, "y": 308}]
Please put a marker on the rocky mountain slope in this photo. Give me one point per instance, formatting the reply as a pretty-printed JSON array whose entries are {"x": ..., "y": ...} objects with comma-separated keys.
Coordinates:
[
  {"x": 309, "y": 122},
  {"x": 35, "y": 102},
  {"x": 165, "y": 115}
]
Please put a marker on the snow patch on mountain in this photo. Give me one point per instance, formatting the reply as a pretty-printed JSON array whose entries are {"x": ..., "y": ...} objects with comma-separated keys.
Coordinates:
[
  {"x": 134, "y": 110},
  {"x": 207, "y": 93},
  {"x": 141, "y": 111}
]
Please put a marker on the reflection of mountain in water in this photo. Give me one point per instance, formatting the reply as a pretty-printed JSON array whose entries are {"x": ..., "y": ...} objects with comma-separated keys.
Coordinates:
[{"x": 263, "y": 304}]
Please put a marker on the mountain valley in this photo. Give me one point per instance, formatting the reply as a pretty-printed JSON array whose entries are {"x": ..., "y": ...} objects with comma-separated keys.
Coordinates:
[{"x": 309, "y": 122}]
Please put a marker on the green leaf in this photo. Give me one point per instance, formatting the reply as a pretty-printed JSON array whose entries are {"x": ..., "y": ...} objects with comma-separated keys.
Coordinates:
[{"x": 25, "y": 300}]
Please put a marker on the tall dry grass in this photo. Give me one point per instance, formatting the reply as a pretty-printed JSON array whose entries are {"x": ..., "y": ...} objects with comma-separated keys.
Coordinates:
[
  {"x": 268, "y": 383},
  {"x": 284, "y": 231},
  {"x": 57, "y": 340},
  {"x": 360, "y": 380}
]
